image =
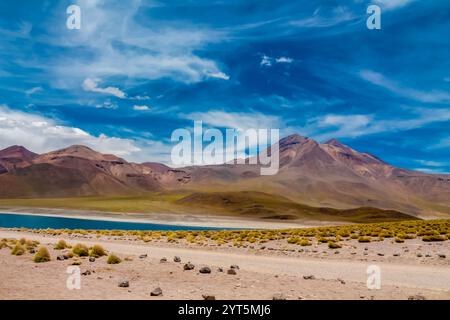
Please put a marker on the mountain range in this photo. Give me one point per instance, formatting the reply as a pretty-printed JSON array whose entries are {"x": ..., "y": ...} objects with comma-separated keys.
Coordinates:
[{"x": 316, "y": 175}]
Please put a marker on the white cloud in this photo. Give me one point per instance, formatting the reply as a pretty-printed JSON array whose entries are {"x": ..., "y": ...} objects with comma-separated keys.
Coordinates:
[
  {"x": 107, "y": 105},
  {"x": 33, "y": 90},
  {"x": 431, "y": 171},
  {"x": 266, "y": 61},
  {"x": 434, "y": 96},
  {"x": 140, "y": 98},
  {"x": 351, "y": 126},
  {"x": 323, "y": 18},
  {"x": 91, "y": 85},
  {"x": 443, "y": 143},
  {"x": 41, "y": 134},
  {"x": 236, "y": 120},
  {"x": 219, "y": 75},
  {"x": 433, "y": 163},
  {"x": 120, "y": 44},
  {"x": 141, "y": 108},
  {"x": 393, "y": 4},
  {"x": 284, "y": 60}
]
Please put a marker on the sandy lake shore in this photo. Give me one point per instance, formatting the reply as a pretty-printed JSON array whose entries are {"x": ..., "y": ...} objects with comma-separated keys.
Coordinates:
[{"x": 412, "y": 270}]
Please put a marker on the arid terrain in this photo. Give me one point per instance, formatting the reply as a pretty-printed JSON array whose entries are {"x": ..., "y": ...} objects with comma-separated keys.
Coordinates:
[
  {"x": 321, "y": 181},
  {"x": 266, "y": 264}
]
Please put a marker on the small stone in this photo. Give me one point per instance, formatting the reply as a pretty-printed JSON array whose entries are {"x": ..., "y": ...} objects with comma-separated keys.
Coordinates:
[
  {"x": 61, "y": 257},
  {"x": 143, "y": 256},
  {"x": 176, "y": 259},
  {"x": 442, "y": 256},
  {"x": 428, "y": 256},
  {"x": 86, "y": 273},
  {"x": 219, "y": 269},
  {"x": 310, "y": 277},
  {"x": 91, "y": 259},
  {"x": 419, "y": 255},
  {"x": 163, "y": 260},
  {"x": 380, "y": 254},
  {"x": 234, "y": 266},
  {"x": 208, "y": 297},
  {"x": 188, "y": 266},
  {"x": 417, "y": 297},
  {"x": 278, "y": 296},
  {"x": 124, "y": 284},
  {"x": 156, "y": 292},
  {"x": 231, "y": 271},
  {"x": 205, "y": 270},
  {"x": 396, "y": 254},
  {"x": 32, "y": 250},
  {"x": 341, "y": 281}
]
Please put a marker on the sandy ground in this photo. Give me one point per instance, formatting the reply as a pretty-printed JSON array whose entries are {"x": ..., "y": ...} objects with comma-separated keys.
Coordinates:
[
  {"x": 262, "y": 273},
  {"x": 176, "y": 219}
]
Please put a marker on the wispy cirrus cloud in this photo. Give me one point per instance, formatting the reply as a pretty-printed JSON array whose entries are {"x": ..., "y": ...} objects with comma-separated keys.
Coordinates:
[
  {"x": 92, "y": 85},
  {"x": 393, "y": 4},
  {"x": 236, "y": 120},
  {"x": 326, "y": 17},
  {"x": 267, "y": 61},
  {"x": 141, "y": 108},
  {"x": 434, "y": 96},
  {"x": 357, "y": 125},
  {"x": 119, "y": 44},
  {"x": 34, "y": 90}
]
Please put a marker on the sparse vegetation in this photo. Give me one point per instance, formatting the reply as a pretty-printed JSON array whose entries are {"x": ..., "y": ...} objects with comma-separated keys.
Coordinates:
[
  {"x": 42, "y": 255},
  {"x": 97, "y": 251},
  {"x": 113, "y": 259},
  {"x": 334, "y": 245},
  {"x": 61, "y": 245},
  {"x": 434, "y": 238},
  {"x": 364, "y": 239},
  {"x": 18, "y": 249},
  {"x": 80, "y": 250},
  {"x": 429, "y": 230}
]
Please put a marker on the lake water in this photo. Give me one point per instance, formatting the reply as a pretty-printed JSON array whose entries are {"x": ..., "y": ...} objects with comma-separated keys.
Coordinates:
[{"x": 43, "y": 222}]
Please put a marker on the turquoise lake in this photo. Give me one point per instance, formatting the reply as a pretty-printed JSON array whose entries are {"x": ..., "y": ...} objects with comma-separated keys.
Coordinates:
[{"x": 43, "y": 222}]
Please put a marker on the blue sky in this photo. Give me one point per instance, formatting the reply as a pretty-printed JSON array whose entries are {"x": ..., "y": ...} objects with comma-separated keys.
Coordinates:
[{"x": 137, "y": 70}]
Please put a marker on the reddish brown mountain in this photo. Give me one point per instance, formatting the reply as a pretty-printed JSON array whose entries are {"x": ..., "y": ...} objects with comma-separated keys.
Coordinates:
[
  {"x": 77, "y": 171},
  {"x": 321, "y": 175}
]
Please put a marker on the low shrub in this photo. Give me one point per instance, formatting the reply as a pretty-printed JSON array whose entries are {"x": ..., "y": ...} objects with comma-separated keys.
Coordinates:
[
  {"x": 364, "y": 239},
  {"x": 42, "y": 255},
  {"x": 434, "y": 238},
  {"x": 18, "y": 250},
  {"x": 80, "y": 250},
  {"x": 97, "y": 251},
  {"x": 61, "y": 245},
  {"x": 334, "y": 245},
  {"x": 304, "y": 242},
  {"x": 113, "y": 259}
]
